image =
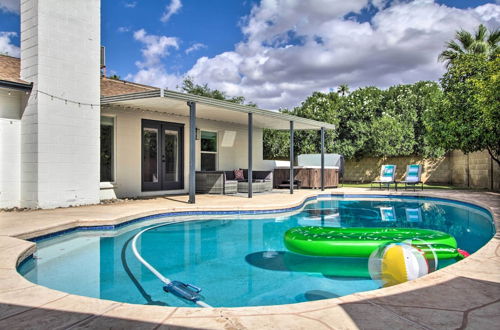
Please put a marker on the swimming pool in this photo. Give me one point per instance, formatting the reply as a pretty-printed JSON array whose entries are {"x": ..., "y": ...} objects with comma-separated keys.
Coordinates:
[{"x": 239, "y": 260}]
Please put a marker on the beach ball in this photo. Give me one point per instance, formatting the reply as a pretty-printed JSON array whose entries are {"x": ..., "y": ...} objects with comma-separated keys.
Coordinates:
[{"x": 396, "y": 263}]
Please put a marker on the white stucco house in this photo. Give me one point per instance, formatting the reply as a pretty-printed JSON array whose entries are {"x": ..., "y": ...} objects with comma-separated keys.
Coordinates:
[{"x": 69, "y": 136}]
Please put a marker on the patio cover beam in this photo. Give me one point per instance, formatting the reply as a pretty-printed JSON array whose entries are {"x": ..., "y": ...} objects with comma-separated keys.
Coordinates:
[
  {"x": 250, "y": 154},
  {"x": 192, "y": 152},
  {"x": 322, "y": 158},
  {"x": 162, "y": 100},
  {"x": 292, "y": 145}
]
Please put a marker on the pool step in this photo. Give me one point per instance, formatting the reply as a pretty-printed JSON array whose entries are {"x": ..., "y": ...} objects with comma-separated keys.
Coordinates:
[{"x": 286, "y": 184}]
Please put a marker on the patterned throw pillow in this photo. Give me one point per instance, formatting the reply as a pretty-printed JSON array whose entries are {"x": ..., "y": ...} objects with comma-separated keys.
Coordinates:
[{"x": 238, "y": 175}]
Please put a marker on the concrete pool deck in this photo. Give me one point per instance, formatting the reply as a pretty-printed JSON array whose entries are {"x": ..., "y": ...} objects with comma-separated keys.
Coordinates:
[{"x": 463, "y": 295}]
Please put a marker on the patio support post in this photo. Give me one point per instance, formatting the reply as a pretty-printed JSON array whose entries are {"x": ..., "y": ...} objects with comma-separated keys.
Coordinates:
[
  {"x": 192, "y": 151},
  {"x": 322, "y": 158},
  {"x": 250, "y": 153},
  {"x": 292, "y": 144}
]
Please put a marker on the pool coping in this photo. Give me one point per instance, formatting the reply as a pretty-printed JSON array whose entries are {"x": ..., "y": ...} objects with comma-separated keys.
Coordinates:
[{"x": 482, "y": 266}]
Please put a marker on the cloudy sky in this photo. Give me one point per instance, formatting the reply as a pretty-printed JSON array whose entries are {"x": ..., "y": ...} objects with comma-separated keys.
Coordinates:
[{"x": 276, "y": 52}]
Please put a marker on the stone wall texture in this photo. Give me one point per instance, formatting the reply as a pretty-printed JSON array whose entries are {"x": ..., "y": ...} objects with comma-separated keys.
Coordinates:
[{"x": 474, "y": 170}]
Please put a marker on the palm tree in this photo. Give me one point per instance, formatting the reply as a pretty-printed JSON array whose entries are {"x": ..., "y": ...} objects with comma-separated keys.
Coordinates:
[
  {"x": 482, "y": 42},
  {"x": 343, "y": 89}
]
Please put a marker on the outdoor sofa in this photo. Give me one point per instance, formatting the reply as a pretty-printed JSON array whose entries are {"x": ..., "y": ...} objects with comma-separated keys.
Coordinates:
[
  {"x": 215, "y": 182},
  {"x": 224, "y": 182},
  {"x": 261, "y": 181}
]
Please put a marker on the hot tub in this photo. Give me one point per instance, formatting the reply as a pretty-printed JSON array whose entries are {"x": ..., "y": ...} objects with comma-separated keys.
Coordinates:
[{"x": 309, "y": 176}]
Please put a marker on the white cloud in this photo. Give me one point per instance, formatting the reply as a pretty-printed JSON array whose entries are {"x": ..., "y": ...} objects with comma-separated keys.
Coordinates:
[
  {"x": 171, "y": 9},
  {"x": 195, "y": 47},
  {"x": 489, "y": 14},
  {"x": 131, "y": 4},
  {"x": 123, "y": 29},
  {"x": 151, "y": 69},
  {"x": 12, "y": 6},
  {"x": 6, "y": 46},
  {"x": 156, "y": 76},
  {"x": 155, "y": 47},
  {"x": 293, "y": 48}
]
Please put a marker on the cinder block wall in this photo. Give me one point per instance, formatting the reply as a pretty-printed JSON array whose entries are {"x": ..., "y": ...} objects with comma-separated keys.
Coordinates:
[
  {"x": 475, "y": 170},
  {"x": 60, "y": 54},
  {"x": 368, "y": 169}
]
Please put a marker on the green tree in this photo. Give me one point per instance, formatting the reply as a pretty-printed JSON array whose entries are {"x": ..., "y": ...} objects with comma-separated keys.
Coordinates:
[
  {"x": 355, "y": 118},
  {"x": 404, "y": 106},
  {"x": 469, "y": 117},
  {"x": 488, "y": 100},
  {"x": 428, "y": 98},
  {"x": 369, "y": 121},
  {"x": 276, "y": 144},
  {"x": 318, "y": 106},
  {"x": 393, "y": 129},
  {"x": 391, "y": 137},
  {"x": 322, "y": 107},
  {"x": 343, "y": 89},
  {"x": 482, "y": 42},
  {"x": 190, "y": 87}
]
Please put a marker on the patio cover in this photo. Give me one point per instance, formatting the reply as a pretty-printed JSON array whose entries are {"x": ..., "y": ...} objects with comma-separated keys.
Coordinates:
[{"x": 175, "y": 103}]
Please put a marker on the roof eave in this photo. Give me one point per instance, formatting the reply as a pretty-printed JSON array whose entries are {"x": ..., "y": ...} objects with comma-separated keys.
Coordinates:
[
  {"x": 16, "y": 85},
  {"x": 214, "y": 102}
]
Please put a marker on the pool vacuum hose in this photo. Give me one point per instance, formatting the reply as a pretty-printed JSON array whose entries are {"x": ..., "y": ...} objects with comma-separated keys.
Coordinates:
[{"x": 177, "y": 288}]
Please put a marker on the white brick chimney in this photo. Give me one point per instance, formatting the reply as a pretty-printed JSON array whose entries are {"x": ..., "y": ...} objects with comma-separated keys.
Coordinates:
[{"x": 60, "y": 49}]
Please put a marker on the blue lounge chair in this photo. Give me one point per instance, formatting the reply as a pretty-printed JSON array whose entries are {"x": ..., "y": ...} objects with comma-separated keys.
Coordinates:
[
  {"x": 387, "y": 176},
  {"x": 413, "y": 176}
]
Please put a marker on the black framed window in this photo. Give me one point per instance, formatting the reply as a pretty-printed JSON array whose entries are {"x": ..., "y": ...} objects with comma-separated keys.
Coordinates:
[
  {"x": 208, "y": 151},
  {"x": 107, "y": 149}
]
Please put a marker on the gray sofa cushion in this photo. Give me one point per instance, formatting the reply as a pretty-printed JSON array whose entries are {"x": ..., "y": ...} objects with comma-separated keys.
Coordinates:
[{"x": 256, "y": 175}]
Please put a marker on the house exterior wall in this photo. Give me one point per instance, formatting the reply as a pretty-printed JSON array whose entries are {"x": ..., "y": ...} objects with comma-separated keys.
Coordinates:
[
  {"x": 10, "y": 105},
  {"x": 10, "y": 161},
  {"x": 128, "y": 150},
  {"x": 60, "y": 54},
  {"x": 10, "y": 147}
]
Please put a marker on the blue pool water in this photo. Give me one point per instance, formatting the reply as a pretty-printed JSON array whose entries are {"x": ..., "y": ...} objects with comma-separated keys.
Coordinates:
[{"x": 238, "y": 261}]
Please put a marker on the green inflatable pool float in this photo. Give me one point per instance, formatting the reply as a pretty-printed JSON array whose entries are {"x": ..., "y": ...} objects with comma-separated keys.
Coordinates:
[{"x": 361, "y": 242}]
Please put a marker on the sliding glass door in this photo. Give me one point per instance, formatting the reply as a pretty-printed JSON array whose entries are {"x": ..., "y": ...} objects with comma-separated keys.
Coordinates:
[{"x": 162, "y": 155}]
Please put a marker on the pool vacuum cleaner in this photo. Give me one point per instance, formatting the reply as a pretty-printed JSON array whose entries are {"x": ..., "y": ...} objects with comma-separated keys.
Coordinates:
[
  {"x": 183, "y": 290},
  {"x": 179, "y": 289}
]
